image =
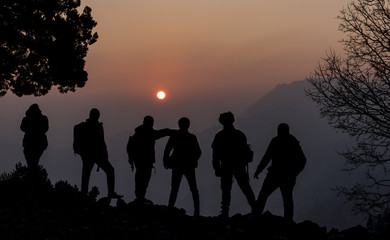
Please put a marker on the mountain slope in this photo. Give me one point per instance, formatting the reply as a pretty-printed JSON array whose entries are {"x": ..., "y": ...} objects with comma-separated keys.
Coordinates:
[{"x": 314, "y": 199}]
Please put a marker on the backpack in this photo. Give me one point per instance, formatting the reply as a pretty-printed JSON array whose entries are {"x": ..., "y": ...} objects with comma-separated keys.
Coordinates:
[{"x": 79, "y": 138}]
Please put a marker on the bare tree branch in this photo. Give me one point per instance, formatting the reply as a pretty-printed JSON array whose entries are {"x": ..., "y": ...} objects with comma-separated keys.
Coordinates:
[{"x": 353, "y": 92}]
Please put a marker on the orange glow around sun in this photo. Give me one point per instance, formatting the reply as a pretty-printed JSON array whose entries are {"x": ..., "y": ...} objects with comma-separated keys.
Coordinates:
[{"x": 161, "y": 95}]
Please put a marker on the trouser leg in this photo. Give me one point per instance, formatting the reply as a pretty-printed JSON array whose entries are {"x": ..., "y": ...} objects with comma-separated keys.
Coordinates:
[
  {"x": 142, "y": 178},
  {"x": 191, "y": 179},
  {"x": 268, "y": 187},
  {"x": 287, "y": 194},
  {"x": 175, "y": 184},
  {"x": 86, "y": 173},
  {"x": 110, "y": 173},
  {"x": 243, "y": 182},
  {"x": 226, "y": 187},
  {"x": 32, "y": 157}
]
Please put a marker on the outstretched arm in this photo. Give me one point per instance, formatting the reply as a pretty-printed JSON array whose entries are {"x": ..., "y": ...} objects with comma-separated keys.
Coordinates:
[
  {"x": 129, "y": 150},
  {"x": 264, "y": 161},
  {"x": 216, "y": 163},
  {"x": 217, "y": 158},
  {"x": 198, "y": 152},
  {"x": 163, "y": 133},
  {"x": 300, "y": 160}
]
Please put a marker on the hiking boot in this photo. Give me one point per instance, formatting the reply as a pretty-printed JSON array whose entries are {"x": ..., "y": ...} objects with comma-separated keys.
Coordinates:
[
  {"x": 147, "y": 201},
  {"x": 255, "y": 211},
  {"x": 143, "y": 201},
  {"x": 196, "y": 213},
  {"x": 114, "y": 195},
  {"x": 223, "y": 214}
]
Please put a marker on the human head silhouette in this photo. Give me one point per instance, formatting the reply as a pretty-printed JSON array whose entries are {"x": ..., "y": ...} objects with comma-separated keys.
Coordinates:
[
  {"x": 148, "y": 121},
  {"x": 184, "y": 123},
  {"x": 34, "y": 107},
  {"x": 33, "y": 110},
  {"x": 283, "y": 129},
  {"x": 94, "y": 114},
  {"x": 226, "y": 119}
]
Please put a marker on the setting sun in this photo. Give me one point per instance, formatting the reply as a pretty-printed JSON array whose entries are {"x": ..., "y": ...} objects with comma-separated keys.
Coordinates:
[{"x": 161, "y": 95}]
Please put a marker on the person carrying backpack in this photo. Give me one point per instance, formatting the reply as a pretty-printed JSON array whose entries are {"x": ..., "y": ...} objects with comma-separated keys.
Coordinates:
[
  {"x": 288, "y": 160},
  {"x": 89, "y": 143},
  {"x": 181, "y": 154},
  {"x": 230, "y": 158}
]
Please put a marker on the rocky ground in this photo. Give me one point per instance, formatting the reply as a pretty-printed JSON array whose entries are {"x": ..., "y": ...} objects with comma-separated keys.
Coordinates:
[{"x": 35, "y": 209}]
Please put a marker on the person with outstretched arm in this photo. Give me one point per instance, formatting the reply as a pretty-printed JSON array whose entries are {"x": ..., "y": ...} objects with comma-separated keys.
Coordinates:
[
  {"x": 287, "y": 161},
  {"x": 141, "y": 153}
]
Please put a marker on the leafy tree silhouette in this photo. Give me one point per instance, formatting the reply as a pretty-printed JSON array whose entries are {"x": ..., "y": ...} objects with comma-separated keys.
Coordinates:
[
  {"x": 43, "y": 43},
  {"x": 23, "y": 188}
]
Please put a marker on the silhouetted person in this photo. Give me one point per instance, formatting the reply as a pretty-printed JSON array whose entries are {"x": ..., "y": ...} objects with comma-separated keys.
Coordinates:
[
  {"x": 141, "y": 153},
  {"x": 89, "y": 143},
  {"x": 288, "y": 160},
  {"x": 181, "y": 154},
  {"x": 34, "y": 125},
  {"x": 229, "y": 148}
]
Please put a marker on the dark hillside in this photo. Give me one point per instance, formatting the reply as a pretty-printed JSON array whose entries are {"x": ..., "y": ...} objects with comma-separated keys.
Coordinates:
[{"x": 32, "y": 208}]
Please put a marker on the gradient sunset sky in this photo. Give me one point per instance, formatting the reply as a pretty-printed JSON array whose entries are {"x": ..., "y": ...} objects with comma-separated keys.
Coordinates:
[
  {"x": 199, "y": 46},
  {"x": 226, "y": 51},
  {"x": 209, "y": 56}
]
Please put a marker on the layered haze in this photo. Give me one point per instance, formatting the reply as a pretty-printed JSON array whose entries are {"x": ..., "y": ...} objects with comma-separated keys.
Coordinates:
[
  {"x": 314, "y": 199},
  {"x": 207, "y": 55}
]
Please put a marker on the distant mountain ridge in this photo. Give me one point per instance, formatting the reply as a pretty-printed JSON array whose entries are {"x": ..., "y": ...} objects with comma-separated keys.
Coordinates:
[
  {"x": 283, "y": 95},
  {"x": 314, "y": 199},
  {"x": 313, "y": 196}
]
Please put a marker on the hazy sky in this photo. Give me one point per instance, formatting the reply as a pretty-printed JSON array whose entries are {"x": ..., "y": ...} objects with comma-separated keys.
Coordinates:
[
  {"x": 218, "y": 54},
  {"x": 196, "y": 47},
  {"x": 210, "y": 56}
]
